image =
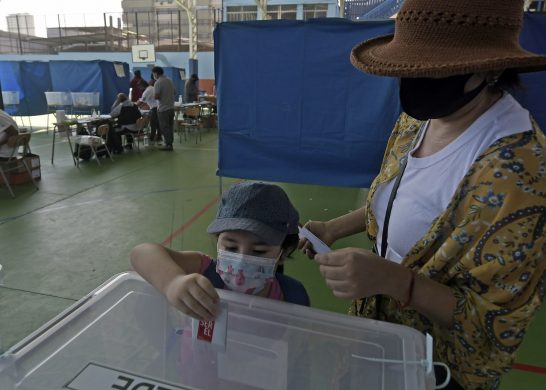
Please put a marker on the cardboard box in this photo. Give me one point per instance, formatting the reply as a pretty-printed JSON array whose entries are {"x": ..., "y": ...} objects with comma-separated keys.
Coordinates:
[{"x": 20, "y": 175}]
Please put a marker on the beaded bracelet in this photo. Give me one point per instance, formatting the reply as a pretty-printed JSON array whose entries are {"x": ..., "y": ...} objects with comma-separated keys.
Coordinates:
[{"x": 407, "y": 302}]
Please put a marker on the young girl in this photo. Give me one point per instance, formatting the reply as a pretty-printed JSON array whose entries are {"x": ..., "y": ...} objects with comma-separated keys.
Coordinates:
[{"x": 257, "y": 228}]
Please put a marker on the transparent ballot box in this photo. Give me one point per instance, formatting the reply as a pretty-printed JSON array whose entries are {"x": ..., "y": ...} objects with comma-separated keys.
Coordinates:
[
  {"x": 85, "y": 99},
  {"x": 10, "y": 98},
  {"x": 124, "y": 335},
  {"x": 58, "y": 98}
]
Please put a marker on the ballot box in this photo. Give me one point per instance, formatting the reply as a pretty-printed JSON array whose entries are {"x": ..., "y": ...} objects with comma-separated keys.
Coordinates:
[
  {"x": 58, "y": 99},
  {"x": 125, "y": 336}
]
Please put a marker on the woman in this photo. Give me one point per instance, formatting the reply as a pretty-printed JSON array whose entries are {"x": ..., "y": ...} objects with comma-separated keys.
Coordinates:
[{"x": 459, "y": 205}]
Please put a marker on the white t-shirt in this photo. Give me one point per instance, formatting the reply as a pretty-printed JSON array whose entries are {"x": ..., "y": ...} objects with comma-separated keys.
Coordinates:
[
  {"x": 428, "y": 183},
  {"x": 6, "y": 121},
  {"x": 148, "y": 97}
]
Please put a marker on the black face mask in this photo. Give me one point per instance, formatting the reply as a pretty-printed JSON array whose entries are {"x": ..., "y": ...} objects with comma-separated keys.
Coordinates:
[{"x": 426, "y": 98}]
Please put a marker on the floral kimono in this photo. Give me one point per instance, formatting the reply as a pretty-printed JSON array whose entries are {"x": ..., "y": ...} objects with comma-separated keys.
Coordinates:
[{"x": 488, "y": 246}]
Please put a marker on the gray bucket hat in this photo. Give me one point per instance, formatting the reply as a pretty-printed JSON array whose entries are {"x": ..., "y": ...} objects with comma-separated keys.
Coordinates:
[{"x": 259, "y": 208}]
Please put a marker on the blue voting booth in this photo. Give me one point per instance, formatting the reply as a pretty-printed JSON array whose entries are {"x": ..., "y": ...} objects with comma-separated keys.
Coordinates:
[
  {"x": 30, "y": 80},
  {"x": 91, "y": 76},
  {"x": 292, "y": 108}
]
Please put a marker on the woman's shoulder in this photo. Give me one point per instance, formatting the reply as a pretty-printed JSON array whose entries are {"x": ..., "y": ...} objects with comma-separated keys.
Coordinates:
[{"x": 526, "y": 147}]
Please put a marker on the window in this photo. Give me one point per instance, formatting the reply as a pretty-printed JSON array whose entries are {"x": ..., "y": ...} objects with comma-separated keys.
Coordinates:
[
  {"x": 287, "y": 11},
  {"x": 311, "y": 11},
  {"x": 242, "y": 13}
]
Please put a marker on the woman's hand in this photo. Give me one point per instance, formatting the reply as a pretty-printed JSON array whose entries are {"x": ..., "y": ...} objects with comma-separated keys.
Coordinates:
[
  {"x": 193, "y": 295},
  {"x": 353, "y": 273},
  {"x": 319, "y": 229}
]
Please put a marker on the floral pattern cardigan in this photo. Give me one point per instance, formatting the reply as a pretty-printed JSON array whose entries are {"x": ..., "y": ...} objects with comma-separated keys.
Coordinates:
[{"x": 488, "y": 245}]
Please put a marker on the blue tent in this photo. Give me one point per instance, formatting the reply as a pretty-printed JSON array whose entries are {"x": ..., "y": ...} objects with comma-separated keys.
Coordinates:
[
  {"x": 170, "y": 72},
  {"x": 532, "y": 93},
  {"x": 293, "y": 109},
  {"x": 90, "y": 76},
  {"x": 31, "y": 80}
]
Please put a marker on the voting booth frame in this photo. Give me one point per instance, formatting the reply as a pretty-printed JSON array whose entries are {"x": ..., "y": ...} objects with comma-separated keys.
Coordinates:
[{"x": 124, "y": 335}]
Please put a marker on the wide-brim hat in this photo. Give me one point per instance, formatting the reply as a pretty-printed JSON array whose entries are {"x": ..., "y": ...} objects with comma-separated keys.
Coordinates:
[{"x": 445, "y": 38}]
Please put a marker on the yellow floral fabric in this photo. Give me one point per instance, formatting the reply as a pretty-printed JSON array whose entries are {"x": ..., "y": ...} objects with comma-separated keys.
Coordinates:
[{"x": 488, "y": 245}]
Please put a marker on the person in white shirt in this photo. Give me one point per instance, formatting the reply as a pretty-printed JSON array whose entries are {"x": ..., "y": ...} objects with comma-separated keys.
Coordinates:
[
  {"x": 8, "y": 131},
  {"x": 149, "y": 102}
]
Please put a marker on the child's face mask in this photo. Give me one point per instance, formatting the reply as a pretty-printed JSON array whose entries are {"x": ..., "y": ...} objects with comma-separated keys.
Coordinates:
[{"x": 244, "y": 273}]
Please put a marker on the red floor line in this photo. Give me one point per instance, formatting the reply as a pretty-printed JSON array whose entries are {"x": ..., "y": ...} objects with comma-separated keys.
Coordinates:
[
  {"x": 190, "y": 221},
  {"x": 529, "y": 368}
]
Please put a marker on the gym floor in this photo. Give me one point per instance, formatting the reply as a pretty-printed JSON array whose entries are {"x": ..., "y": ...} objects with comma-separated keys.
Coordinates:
[{"x": 59, "y": 243}]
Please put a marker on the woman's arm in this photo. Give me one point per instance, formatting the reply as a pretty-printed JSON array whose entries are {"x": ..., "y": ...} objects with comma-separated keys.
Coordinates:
[
  {"x": 334, "y": 229},
  {"x": 348, "y": 224},
  {"x": 176, "y": 275},
  {"x": 354, "y": 273}
]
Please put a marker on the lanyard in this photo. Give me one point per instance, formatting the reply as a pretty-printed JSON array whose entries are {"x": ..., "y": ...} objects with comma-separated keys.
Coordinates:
[{"x": 385, "y": 232}]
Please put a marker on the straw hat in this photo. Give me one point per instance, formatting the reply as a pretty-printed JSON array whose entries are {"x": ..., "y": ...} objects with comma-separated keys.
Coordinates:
[{"x": 436, "y": 38}]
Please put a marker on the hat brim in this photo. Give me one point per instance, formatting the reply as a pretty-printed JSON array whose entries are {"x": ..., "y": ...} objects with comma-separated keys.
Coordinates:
[
  {"x": 379, "y": 56},
  {"x": 269, "y": 235}
]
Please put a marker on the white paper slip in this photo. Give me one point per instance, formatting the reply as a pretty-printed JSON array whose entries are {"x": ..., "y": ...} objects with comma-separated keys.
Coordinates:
[
  {"x": 211, "y": 333},
  {"x": 318, "y": 245}
]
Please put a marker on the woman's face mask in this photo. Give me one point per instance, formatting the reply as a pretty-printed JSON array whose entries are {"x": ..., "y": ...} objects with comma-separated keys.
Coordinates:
[
  {"x": 244, "y": 273},
  {"x": 427, "y": 98}
]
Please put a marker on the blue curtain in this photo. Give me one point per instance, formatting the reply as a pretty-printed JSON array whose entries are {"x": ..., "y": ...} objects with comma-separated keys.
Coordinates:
[
  {"x": 90, "y": 76},
  {"x": 293, "y": 109}
]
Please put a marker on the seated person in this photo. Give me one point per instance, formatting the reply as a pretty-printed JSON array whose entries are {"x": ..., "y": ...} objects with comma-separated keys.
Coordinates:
[
  {"x": 8, "y": 134},
  {"x": 127, "y": 114}
]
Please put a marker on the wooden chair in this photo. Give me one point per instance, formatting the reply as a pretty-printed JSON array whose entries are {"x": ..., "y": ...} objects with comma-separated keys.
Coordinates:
[
  {"x": 96, "y": 143},
  {"x": 14, "y": 162},
  {"x": 191, "y": 122}
]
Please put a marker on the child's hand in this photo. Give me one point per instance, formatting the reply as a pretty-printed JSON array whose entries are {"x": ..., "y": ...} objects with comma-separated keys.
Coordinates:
[{"x": 193, "y": 295}]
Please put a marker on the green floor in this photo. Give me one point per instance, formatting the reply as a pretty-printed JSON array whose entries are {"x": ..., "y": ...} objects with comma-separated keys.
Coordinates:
[{"x": 60, "y": 242}]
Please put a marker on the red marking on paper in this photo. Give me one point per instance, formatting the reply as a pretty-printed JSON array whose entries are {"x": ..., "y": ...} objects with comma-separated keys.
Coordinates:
[{"x": 205, "y": 331}]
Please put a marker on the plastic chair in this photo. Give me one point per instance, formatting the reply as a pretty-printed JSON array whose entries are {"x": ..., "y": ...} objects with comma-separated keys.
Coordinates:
[
  {"x": 191, "y": 122},
  {"x": 14, "y": 162},
  {"x": 94, "y": 142}
]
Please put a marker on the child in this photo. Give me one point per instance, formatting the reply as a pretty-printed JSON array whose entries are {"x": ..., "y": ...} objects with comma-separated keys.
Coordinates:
[{"x": 257, "y": 228}]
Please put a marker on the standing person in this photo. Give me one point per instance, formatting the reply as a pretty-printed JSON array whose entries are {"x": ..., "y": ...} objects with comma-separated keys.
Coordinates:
[
  {"x": 164, "y": 92},
  {"x": 457, "y": 211},
  {"x": 191, "y": 91},
  {"x": 257, "y": 229},
  {"x": 8, "y": 132},
  {"x": 138, "y": 85},
  {"x": 148, "y": 102}
]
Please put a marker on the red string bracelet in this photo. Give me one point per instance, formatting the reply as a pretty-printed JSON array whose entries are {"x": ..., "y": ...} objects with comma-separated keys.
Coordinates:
[{"x": 409, "y": 295}]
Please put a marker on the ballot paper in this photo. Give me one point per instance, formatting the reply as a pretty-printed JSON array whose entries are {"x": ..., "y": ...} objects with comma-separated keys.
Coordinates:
[
  {"x": 211, "y": 333},
  {"x": 318, "y": 245}
]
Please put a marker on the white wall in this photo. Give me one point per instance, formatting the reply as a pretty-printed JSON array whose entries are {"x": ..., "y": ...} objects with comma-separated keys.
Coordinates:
[{"x": 179, "y": 60}]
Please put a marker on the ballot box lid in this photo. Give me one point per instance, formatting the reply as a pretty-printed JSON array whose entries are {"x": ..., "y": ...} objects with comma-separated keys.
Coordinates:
[{"x": 124, "y": 335}]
